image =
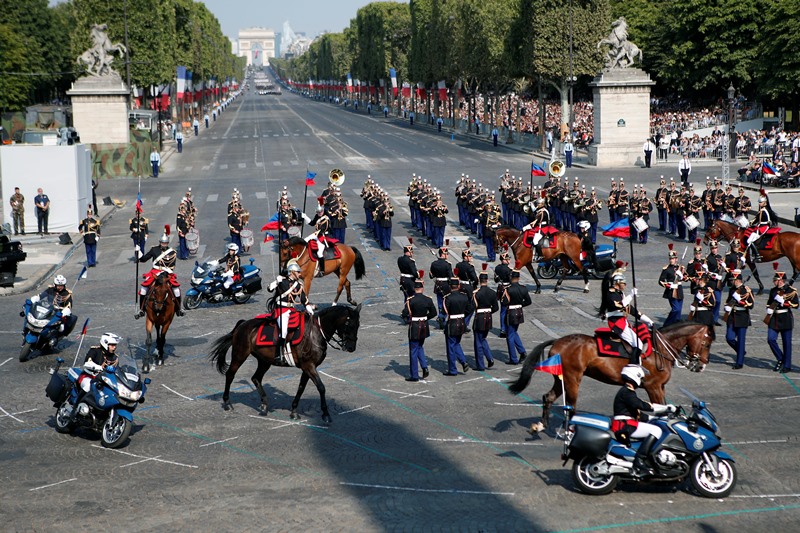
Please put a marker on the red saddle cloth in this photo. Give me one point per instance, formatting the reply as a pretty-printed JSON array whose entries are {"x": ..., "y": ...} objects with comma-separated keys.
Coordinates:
[
  {"x": 268, "y": 332},
  {"x": 608, "y": 344},
  {"x": 150, "y": 276},
  {"x": 312, "y": 249},
  {"x": 767, "y": 240},
  {"x": 548, "y": 231}
]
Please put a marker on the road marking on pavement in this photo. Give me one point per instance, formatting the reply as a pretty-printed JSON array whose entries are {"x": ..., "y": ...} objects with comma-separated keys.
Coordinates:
[
  {"x": 419, "y": 394},
  {"x": 544, "y": 328},
  {"x": 18, "y": 413},
  {"x": 311, "y": 162},
  {"x": 796, "y": 495},
  {"x": 386, "y": 160},
  {"x": 757, "y": 442},
  {"x": 187, "y": 169},
  {"x": 10, "y": 415},
  {"x": 140, "y": 462},
  {"x": 212, "y": 197},
  {"x": 330, "y": 162},
  {"x": 584, "y": 313},
  {"x": 164, "y": 200},
  {"x": 294, "y": 162},
  {"x": 413, "y": 489},
  {"x": 402, "y": 159},
  {"x": 242, "y": 165},
  {"x": 261, "y": 195},
  {"x": 53, "y": 484},
  {"x": 788, "y": 397},
  {"x": 421, "y": 159},
  {"x": 332, "y": 377},
  {"x": 516, "y": 404},
  {"x": 206, "y": 167},
  {"x": 276, "y": 163},
  {"x": 437, "y": 160},
  {"x": 769, "y": 376},
  {"x": 223, "y": 166},
  {"x": 276, "y": 135},
  {"x": 259, "y": 164},
  {"x": 462, "y": 440},
  {"x": 353, "y": 410},
  {"x": 176, "y": 392},
  {"x": 218, "y": 442},
  {"x": 143, "y": 457},
  {"x": 468, "y": 380},
  {"x": 284, "y": 423},
  {"x": 6, "y": 361}
]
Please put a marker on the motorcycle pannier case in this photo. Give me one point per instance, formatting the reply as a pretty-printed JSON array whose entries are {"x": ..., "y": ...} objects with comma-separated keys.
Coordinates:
[
  {"x": 593, "y": 441},
  {"x": 56, "y": 389},
  {"x": 252, "y": 285}
]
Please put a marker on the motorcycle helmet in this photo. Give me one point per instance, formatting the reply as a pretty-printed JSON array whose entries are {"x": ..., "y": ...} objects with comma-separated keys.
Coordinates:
[
  {"x": 233, "y": 246},
  {"x": 633, "y": 374},
  {"x": 108, "y": 338},
  {"x": 59, "y": 280},
  {"x": 584, "y": 225},
  {"x": 292, "y": 266}
]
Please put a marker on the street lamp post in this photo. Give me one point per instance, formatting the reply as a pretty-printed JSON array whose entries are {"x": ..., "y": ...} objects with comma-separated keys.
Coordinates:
[{"x": 729, "y": 150}]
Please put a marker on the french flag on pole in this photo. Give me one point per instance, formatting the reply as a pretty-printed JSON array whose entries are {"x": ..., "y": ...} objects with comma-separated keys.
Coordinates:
[
  {"x": 272, "y": 223},
  {"x": 139, "y": 203},
  {"x": 536, "y": 170},
  {"x": 310, "y": 178},
  {"x": 393, "y": 75},
  {"x": 620, "y": 228},
  {"x": 768, "y": 169},
  {"x": 551, "y": 365}
]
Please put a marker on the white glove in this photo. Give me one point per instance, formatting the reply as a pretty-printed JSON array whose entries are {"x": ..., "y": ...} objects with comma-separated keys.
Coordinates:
[
  {"x": 728, "y": 308},
  {"x": 671, "y": 408},
  {"x": 779, "y": 299},
  {"x": 626, "y": 300},
  {"x": 737, "y": 297},
  {"x": 705, "y": 267},
  {"x": 674, "y": 285},
  {"x": 66, "y": 311},
  {"x": 279, "y": 278},
  {"x": 718, "y": 276},
  {"x": 305, "y": 217},
  {"x": 137, "y": 249},
  {"x": 35, "y": 299},
  {"x": 679, "y": 275},
  {"x": 692, "y": 308},
  {"x": 770, "y": 310},
  {"x": 634, "y": 292},
  {"x": 92, "y": 367},
  {"x": 228, "y": 274},
  {"x": 699, "y": 296},
  {"x": 310, "y": 309},
  {"x": 646, "y": 319},
  {"x": 526, "y": 227},
  {"x": 272, "y": 286}
]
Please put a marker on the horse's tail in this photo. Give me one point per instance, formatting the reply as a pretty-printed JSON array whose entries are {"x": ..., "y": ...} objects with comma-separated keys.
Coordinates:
[
  {"x": 361, "y": 267},
  {"x": 219, "y": 350},
  {"x": 535, "y": 357}
]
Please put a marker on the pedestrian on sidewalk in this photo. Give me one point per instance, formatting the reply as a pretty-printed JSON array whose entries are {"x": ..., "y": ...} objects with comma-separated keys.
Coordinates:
[
  {"x": 568, "y": 148},
  {"x": 495, "y": 135},
  {"x": 411, "y": 118},
  {"x": 685, "y": 168},
  {"x": 439, "y": 123},
  {"x": 385, "y": 112},
  {"x": 18, "y": 211},
  {"x": 206, "y": 119},
  {"x": 648, "y": 148},
  {"x": 196, "y": 126},
  {"x": 90, "y": 229},
  {"x": 155, "y": 160},
  {"x": 179, "y": 140},
  {"x": 42, "y": 203}
]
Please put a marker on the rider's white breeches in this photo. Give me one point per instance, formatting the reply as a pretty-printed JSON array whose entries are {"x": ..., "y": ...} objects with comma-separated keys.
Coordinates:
[
  {"x": 629, "y": 336},
  {"x": 645, "y": 429}
]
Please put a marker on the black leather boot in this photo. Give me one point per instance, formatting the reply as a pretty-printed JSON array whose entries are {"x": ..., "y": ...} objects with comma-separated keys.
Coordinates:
[
  {"x": 142, "y": 303},
  {"x": 321, "y": 266},
  {"x": 641, "y": 465},
  {"x": 178, "y": 308},
  {"x": 636, "y": 356}
]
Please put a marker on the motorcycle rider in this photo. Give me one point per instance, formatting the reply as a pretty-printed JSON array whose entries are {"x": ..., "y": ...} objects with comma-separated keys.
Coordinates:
[
  {"x": 231, "y": 267},
  {"x": 164, "y": 259},
  {"x": 631, "y": 421},
  {"x": 61, "y": 297},
  {"x": 97, "y": 359}
]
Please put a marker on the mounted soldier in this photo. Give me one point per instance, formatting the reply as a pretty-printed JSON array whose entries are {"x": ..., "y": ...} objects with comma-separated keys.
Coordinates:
[{"x": 164, "y": 259}]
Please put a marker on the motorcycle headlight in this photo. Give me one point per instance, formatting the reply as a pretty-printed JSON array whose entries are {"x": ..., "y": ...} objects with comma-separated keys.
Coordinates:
[
  {"x": 125, "y": 393},
  {"x": 37, "y": 323},
  {"x": 196, "y": 281}
]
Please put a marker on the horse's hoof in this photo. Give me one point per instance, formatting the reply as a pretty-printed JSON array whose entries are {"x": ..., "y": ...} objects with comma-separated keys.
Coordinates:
[
  {"x": 537, "y": 291},
  {"x": 263, "y": 409},
  {"x": 585, "y": 291},
  {"x": 327, "y": 418},
  {"x": 294, "y": 416},
  {"x": 160, "y": 362},
  {"x": 555, "y": 290},
  {"x": 352, "y": 302},
  {"x": 228, "y": 406},
  {"x": 536, "y": 428},
  {"x": 333, "y": 304}
]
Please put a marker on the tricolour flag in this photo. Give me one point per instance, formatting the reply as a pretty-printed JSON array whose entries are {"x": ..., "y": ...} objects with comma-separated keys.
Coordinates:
[
  {"x": 768, "y": 169},
  {"x": 180, "y": 78},
  {"x": 85, "y": 327},
  {"x": 269, "y": 237},
  {"x": 393, "y": 75},
  {"x": 620, "y": 228},
  {"x": 273, "y": 223},
  {"x": 139, "y": 203},
  {"x": 536, "y": 170},
  {"x": 442, "y": 86},
  {"x": 310, "y": 178},
  {"x": 551, "y": 365}
]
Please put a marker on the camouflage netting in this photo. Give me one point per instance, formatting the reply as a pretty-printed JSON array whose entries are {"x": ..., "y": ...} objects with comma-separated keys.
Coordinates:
[{"x": 111, "y": 160}]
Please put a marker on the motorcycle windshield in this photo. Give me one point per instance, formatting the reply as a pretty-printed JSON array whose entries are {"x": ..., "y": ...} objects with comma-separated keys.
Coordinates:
[
  {"x": 128, "y": 373},
  {"x": 42, "y": 309}
]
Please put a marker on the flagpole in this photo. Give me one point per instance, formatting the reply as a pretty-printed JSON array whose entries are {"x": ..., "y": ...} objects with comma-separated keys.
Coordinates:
[
  {"x": 83, "y": 334},
  {"x": 138, "y": 240},
  {"x": 305, "y": 199},
  {"x": 633, "y": 277}
]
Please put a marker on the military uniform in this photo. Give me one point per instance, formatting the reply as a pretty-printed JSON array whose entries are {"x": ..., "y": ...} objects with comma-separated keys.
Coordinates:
[
  {"x": 235, "y": 226},
  {"x": 702, "y": 307},
  {"x": 671, "y": 278},
  {"x": 417, "y": 310},
  {"x": 502, "y": 276},
  {"x": 515, "y": 297},
  {"x": 738, "y": 305},
  {"x": 90, "y": 229},
  {"x": 408, "y": 273},
  {"x": 457, "y": 306},
  {"x": 164, "y": 260},
  {"x": 485, "y": 302},
  {"x": 782, "y": 299},
  {"x": 17, "y": 202},
  {"x": 441, "y": 271},
  {"x": 140, "y": 230},
  {"x": 182, "y": 226},
  {"x": 716, "y": 269}
]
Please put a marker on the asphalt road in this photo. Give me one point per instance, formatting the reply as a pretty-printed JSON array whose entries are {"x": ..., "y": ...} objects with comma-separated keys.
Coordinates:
[{"x": 446, "y": 454}]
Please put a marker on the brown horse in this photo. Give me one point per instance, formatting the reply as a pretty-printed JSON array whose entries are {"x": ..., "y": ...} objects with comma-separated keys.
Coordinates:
[
  {"x": 786, "y": 244},
  {"x": 160, "y": 310},
  {"x": 338, "y": 324},
  {"x": 295, "y": 246},
  {"x": 568, "y": 247},
  {"x": 579, "y": 358}
]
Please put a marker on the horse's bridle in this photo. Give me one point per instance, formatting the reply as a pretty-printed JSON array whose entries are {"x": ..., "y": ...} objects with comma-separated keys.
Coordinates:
[
  {"x": 692, "y": 359},
  {"x": 336, "y": 340}
]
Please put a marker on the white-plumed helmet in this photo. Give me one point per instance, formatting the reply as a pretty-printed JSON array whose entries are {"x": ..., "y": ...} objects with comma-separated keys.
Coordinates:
[
  {"x": 292, "y": 266},
  {"x": 618, "y": 276},
  {"x": 59, "y": 280},
  {"x": 633, "y": 373},
  {"x": 233, "y": 246},
  {"x": 108, "y": 338}
]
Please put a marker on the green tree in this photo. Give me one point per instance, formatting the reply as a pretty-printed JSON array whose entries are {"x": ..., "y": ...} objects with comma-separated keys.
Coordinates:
[
  {"x": 778, "y": 71},
  {"x": 14, "y": 89}
]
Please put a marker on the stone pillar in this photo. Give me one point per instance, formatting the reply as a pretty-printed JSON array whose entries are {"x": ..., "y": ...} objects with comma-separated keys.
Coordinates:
[
  {"x": 621, "y": 117},
  {"x": 100, "y": 109}
]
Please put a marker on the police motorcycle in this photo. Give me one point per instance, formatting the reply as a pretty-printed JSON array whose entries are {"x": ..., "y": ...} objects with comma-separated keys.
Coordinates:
[
  {"x": 207, "y": 283},
  {"x": 107, "y": 407},
  {"x": 689, "y": 446},
  {"x": 604, "y": 261},
  {"x": 44, "y": 326}
]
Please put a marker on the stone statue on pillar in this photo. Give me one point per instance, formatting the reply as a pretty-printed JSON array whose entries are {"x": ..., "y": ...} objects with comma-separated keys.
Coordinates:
[
  {"x": 621, "y": 52},
  {"x": 99, "y": 57}
]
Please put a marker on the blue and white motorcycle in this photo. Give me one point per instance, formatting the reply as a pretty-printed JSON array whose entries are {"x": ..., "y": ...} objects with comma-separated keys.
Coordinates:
[
  {"x": 107, "y": 407},
  {"x": 689, "y": 447},
  {"x": 207, "y": 285},
  {"x": 43, "y": 328}
]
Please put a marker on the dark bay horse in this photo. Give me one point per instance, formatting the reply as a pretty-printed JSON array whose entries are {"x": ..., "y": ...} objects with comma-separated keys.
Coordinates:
[
  {"x": 160, "y": 310},
  {"x": 786, "y": 244},
  {"x": 337, "y": 324},
  {"x": 341, "y": 267},
  {"x": 579, "y": 358},
  {"x": 568, "y": 246}
]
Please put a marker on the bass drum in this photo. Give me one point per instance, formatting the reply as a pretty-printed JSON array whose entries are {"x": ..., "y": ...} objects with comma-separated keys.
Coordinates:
[
  {"x": 247, "y": 239},
  {"x": 192, "y": 241}
]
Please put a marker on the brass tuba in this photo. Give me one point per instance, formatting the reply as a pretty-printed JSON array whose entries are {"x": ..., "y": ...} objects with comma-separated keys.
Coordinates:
[
  {"x": 557, "y": 168},
  {"x": 336, "y": 177}
]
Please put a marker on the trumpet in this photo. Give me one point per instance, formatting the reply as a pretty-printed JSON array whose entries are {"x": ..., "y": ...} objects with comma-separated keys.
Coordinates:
[
  {"x": 336, "y": 177},
  {"x": 557, "y": 168}
]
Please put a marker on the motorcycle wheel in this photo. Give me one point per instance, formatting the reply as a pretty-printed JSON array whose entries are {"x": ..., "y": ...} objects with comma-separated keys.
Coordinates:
[
  {"x": 241, "y": 299},
  {"x": 707, "y": 485},
  {"x": 25, "y": 352},
  {"x": 192, "y": 301},
  {"x": 590, "y": 483},
  {"x": 548, "y": 270},
  {"x": 113, "y": 436},
  {"x": 63, "y": 422}
]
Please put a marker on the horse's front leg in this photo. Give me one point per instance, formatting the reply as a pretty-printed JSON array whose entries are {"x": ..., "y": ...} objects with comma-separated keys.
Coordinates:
[
  {"x": 585, "y": 273},
  {"x": 161, "y": 343},
  {"x": 323, "y": 403},
  {"x": 564, "y": 270},
  {"x": 754, "y": 269},
  {"x": 535, "y": 279},
  {"x": 300, "y": 389}
]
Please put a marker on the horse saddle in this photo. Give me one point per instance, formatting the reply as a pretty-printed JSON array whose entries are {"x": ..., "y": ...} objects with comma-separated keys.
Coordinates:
[
  {"x": 331, "y": 250},
  {"x": 767, "y": 240},
  {"x": 610, "y": 345},
  {"x": 269, "y": 332},
  {"x": 548, "y": 237}
]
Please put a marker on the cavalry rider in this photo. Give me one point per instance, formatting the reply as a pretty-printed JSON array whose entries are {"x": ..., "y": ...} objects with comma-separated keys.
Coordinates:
[
  {"x": 231, "y": 267},
  {"x": 290, "y": 295},
  {"x": 97, "y": 359},
  {"x": 782, "y": 299},
  {"x": 631, "y": 421},
  {"x": 541, "y": 218},
  {"x": 61, "y": 297},
  {"x": 617, "y": 307},
  {"x": 322, "y": 224},
  {"x": 760, "y": 225},
  {"x": 164, "y": 259}
]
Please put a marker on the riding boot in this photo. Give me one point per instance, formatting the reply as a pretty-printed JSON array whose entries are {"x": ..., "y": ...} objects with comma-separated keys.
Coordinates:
[
  {"x": 641, "y": 464},
  {"x": 178, "y": 309},
  {"x": 321, "y": 266},
  {"x": 279, "y": 344},
  {"x": 142, "y": 303},
  {"x": 636, "y": 356},
  {"x": 754, "y": 253}
]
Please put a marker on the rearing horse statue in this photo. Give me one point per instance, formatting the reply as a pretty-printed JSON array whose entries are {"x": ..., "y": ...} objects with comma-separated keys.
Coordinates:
[{"x": 99, "y": 57}]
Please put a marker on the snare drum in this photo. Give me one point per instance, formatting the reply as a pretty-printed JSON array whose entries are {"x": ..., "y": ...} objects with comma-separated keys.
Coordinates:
[
  {"x": 692, "y": 222},
  {"x": 640, "y": 224},
  {"x": 742, "y": 221},
  {"x": 247, "y": 239},
  {"x": 294, "y": 231},
  {"x": 192, "y": 241}
]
